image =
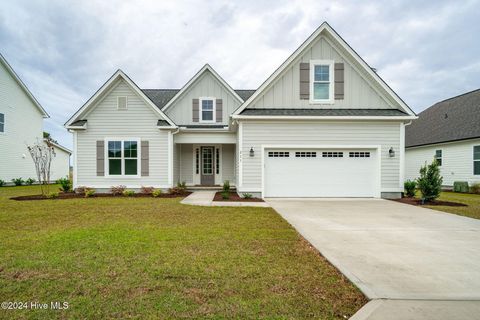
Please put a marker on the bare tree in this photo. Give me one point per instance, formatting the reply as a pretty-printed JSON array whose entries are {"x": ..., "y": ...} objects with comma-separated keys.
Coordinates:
[{"x": 42, "y": 153}]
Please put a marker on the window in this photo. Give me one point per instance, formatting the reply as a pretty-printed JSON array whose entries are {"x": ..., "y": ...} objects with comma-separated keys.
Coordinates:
[
  {"x": 305, "y": 154},
  {"x": 122, "y": 103},
  {"x": 321, "y": 79},
  {"x": 476, "y": 160},
  {"x": 207, "y": 109},
  {"x": 278, "y": 154},
  {"x": 438, "y": 157},
  {"x": 123, "y": 157},
  {"x": 2, "y": 122},
  {"x": 217, "y": 161},
  {"x": 359, "y": 154},
  {"x": 197, "y": 161},
  {"x": 332, "y": 154}
]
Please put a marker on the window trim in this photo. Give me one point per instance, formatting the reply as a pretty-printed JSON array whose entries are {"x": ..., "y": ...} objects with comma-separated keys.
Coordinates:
[
  {"x": 139, "y": 159},
  {"x": 439, "y": 158},
  {"x": 475, "y": 160},
  {"x": 4, "y": 116},
  {"x": 214, "y": 111},
  {"x": 330, "y": 64}
]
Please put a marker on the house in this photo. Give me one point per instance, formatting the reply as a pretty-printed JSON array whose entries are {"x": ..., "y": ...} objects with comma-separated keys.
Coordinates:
[
  {"x": 324, "y": 124},
  {"x": 21, "y": 124},
  {"x": 448, "y": 131}
]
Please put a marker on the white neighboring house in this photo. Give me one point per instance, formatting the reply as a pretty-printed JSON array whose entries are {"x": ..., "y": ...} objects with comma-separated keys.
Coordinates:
[
  {"x": 21, "y": 124},
  {"x": 448, "y": 131},
  {"x": 324, "y": 124}
]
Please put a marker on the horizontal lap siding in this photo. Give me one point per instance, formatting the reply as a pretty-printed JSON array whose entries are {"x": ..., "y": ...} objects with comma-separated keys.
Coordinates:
[
  {"x": 138, "y": 121},
  {"x": 256, "y": 134}
]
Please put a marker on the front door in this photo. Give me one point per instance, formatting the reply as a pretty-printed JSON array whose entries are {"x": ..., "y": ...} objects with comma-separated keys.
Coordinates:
[{"x": 207, "y": 173}]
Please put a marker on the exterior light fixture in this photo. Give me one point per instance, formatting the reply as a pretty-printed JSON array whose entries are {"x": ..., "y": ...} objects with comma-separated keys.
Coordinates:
[
  {"x": 391, "y": 152},
  {"x": 252, "y": 152}
]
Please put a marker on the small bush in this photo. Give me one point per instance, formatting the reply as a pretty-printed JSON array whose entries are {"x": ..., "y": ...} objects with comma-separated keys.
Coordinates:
[
  {"x": 475, "y": 188},
  {"x": 460, "y": 186},
  {"x": 146, "y": 190},
  {"x": 80, "y": 189},
  {"x": 226, "y": 186},
  {"x": 247, "y": 195},
  {"x": 128, "y": 193},
  {"x": 52, "y": 195},
  {"x": 118, "y": 190},
  {"x": 65, "y": 184},
  {"x": 2, "y": 183},
  {"x": 89, "y": 192},
  {"x": 29, "y": 181},
  {"x": 176, "y": 191},
  {"x": 182, "y": 186},
  {"x": 409, "y": 187},
  {"x": 157, "y": 193},
  {"x": 17, "y": 181},
  {"x": 225, "y": 195},
  {"x": 430, "y": 181}
]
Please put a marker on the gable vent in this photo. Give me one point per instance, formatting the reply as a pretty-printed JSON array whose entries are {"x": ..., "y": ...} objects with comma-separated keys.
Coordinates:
[{"x": 122, "y": 103}]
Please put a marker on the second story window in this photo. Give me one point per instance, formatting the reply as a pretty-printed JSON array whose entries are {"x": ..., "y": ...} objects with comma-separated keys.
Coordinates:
[
  {"x": 321, "y": 79},
  {"x": 438, "y": 157},
  {"x": 2, "y": 122},
  {"x": 207, "y": 109}
]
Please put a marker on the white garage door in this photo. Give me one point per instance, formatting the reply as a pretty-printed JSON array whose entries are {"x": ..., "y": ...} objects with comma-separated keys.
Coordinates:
[{"x": 320, "y": 173}]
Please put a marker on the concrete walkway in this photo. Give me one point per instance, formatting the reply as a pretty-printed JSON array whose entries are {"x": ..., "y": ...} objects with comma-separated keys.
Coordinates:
[
  {"x": 414, "y": 263},
  {"x": 205, "y": 198}
]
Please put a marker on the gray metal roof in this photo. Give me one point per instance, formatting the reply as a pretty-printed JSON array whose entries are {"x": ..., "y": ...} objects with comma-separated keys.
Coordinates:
[
  {"x": 161, "y": 96},
  {"x": 163, "y": 123},
  {"x": 203, "y": 126},
  {"x": 78, "y": 123},
  {"x": 457, "y": 118},
  {"x": 324, "y": 112}
]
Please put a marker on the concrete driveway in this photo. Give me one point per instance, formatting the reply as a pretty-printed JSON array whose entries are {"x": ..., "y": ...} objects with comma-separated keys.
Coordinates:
[{"x": 391, "y": 250}]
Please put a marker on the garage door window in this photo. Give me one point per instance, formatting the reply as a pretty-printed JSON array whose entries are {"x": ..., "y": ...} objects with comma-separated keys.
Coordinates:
[
  {"x": 305, "y": 154},
  {"x": 332, "y": 154},
  {"x": 278, "y": 154},
  {"x": 359, "y": 154}
]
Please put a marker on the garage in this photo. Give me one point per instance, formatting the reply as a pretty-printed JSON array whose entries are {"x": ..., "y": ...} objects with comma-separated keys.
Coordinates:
[{"x": 321, "y": 173}]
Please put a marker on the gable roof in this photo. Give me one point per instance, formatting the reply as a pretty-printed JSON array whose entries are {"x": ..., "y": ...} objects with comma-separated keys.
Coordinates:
[
  {"x": 204, "y": 69},
  {"x": 23, "y": 86},
  {"x": 119, "y": 74},
  {"x": 325, "y": 27},
  {"x": 162, "y": 96},
  {"x": 453, "y": 119}
]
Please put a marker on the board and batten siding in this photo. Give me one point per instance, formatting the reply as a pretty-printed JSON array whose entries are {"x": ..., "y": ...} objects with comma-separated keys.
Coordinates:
[
  {"x": 228, "y": 163},
  {"x": 205, "y": 86},
  {"x": 138, "y": 121},
  {"x": 258, "y": 133},
  {"x": 359, "y": 93},
  {"x": 457, "y": 161},
  {"x": 187, "y": 163}
]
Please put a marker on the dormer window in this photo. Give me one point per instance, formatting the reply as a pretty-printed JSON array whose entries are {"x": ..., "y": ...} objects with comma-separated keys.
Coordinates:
[
  {"x": 321, "y": 81},
  {"x": 207, "y": 109}
]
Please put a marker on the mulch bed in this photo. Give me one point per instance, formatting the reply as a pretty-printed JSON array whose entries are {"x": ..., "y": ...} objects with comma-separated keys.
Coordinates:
[
  {"x": 234, "y": 197},
  {"x": 418, "y": 202},
  {"x": 72, "y": 195}
]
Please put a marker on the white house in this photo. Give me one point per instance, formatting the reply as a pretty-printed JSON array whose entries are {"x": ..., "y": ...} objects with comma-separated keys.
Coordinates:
[
  {"x": 21, "y": 124},
  {"x": 448, "y": 131},
  {"x": 324, "y": 124}
]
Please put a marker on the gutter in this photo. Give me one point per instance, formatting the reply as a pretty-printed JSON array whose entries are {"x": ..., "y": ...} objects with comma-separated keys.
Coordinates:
[{"x": 240, "y": 117}]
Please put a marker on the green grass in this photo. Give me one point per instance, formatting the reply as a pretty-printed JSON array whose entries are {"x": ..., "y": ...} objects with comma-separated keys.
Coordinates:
[
  {"x": 472, "y": 201},
  {"x": 155, "y": 258}
]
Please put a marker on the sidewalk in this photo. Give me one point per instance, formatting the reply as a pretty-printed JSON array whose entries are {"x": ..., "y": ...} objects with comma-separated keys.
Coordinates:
[{"x": 205, "y": 198}]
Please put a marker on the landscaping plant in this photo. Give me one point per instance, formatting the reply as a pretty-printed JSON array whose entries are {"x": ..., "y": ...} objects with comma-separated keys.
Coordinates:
[
  {"x": 226, "y": 186},
  {"x": 2, "y": 183},
  {"x": 146, "y": 190},
  {"x": 89, "y": 192},
  {"x": 17, "y": 181},
  {"x": 182, "y": 186},
  {"x": 247, "y": 195},
  {"x": 65, "y": 184},
  {"x": 409, "y": 187},
  {"x": 118, "y": 190},
  {"x": 157, "y": 193},
  {"x": 52, "y": 195},
  {"x": 29, "y": 181},
  {"x": 225, "y": 195},
  {"x": 475, "y": 188},
  {"x": 42, "y": 153},
  {"x": 128, "y": 193},
  {"x": 460, "y": 186},
  {"x": 430, "y": 181}
]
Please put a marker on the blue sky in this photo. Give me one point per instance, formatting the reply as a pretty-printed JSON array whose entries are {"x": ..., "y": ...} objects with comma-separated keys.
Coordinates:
[{"x": 64, "y": 51}]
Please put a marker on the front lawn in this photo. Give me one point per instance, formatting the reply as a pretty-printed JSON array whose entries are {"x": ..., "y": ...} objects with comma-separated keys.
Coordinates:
[
  {"x": 472, "y": 201},
  {"x": 155, "y": 258}
]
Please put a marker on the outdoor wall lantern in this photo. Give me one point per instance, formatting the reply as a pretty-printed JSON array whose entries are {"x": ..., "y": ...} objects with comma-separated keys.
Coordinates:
[
  {"x": 391, "y": 152},
  {"x": 252, "y": 152}
]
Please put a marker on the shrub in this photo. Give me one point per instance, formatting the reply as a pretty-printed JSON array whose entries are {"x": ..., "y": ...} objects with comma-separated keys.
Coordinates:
[
  {"x": 182, "y": 186},
  {"x": 17, "y": 181},
  {"x": 80, "y": 189},
  {"x": 176, "y": 191},
  {"x": 409, "y": 187},
  {"x": 146, "y": 190},
  {"x": 65, "y": 184},
  {"x": 29, "y": 181},
  {"x": 89, "y": 192},
  {"x": 128, "y": 193},
  {"x": 247, "y": 195},
  {"x": 475, "y": 188},
  {"x": 157, "y": 193},
  {"x": 52, "y": 195},
  {"x": 118, "y": 190},
  {"x": 430, "y": 181},
  {"x": 460, "y": 186},
  {"x": 225, "y": 195},
  {"x": 226, "y": 186},
  {"x": 2, "y": 183}
]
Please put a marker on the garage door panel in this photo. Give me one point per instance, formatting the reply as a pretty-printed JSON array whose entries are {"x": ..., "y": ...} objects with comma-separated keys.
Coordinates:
[{"x": 320, "y": 176}]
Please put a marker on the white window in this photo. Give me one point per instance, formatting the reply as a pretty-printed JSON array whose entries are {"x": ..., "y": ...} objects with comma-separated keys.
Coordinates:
[
  {"x": 278, "y": 154},
  {"x": 122, "y": 157},
  {"x": 359, "y": 154},
  {"x": 321, "y": 81},
  {"x": 438, "y": 157},
  {"x": 476, "y": 160},
  {"x": 122, "y": 103},
  {"x": 332, "y": 154},
  {"x": 305, "y": 154},
  {"x": 2, "y": 122},
  {"x": 207, "y": 109}
]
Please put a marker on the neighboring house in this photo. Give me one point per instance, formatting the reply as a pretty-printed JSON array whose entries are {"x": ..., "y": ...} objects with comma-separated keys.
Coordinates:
[
  {"x": 448, "y": 131},
  {"x": 324, "y": 124},
  {"x": 21, "y": 124}
]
